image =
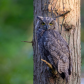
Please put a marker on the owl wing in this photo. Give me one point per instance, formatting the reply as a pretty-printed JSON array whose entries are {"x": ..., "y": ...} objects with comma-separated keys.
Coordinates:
[{"x": 58, "y": 50}]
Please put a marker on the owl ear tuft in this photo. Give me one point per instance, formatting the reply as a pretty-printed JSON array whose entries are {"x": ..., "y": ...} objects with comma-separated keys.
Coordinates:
[{"x": 40, "y": 17}]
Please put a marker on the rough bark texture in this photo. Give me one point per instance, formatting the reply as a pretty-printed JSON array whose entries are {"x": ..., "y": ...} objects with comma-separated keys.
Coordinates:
[{"x": 52, "y": 8}]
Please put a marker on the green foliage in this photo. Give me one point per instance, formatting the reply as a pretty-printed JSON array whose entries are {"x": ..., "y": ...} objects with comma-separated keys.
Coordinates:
[
  {"x": 16, "y": 57},
  {"x": 17, "y": 13},
  {"x": 82, "y": 34}
]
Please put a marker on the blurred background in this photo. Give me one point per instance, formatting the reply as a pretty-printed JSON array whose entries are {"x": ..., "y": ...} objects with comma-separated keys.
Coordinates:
[{"x": 16, "y": 57}]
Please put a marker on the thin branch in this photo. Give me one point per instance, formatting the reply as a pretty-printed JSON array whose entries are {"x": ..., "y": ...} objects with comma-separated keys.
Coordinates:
[
  {"x": 49, "y": 65},
  {"x": 54, "y": 71},
  {"x": 28, "y": 41},
  {"x": 62, "y": 14}
]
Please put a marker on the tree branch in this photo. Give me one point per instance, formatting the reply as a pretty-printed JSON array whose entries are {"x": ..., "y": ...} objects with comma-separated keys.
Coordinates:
[
  {"x": 63, "y": 14},
  {"x": 54, "y": 71}
]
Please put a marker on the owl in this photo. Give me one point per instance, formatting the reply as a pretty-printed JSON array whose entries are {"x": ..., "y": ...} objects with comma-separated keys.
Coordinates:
[{"x": 52, "y": 47}]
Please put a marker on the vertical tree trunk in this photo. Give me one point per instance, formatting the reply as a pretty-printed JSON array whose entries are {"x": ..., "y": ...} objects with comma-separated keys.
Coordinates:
[{"x": 69, "y": 27}]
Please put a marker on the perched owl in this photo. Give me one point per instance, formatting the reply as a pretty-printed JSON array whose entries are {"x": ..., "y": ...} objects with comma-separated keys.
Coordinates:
[{"x": 53, "y": 48}]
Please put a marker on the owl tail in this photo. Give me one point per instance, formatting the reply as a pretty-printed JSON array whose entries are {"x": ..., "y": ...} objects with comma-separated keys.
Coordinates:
[{"x": 67, "y": 77}]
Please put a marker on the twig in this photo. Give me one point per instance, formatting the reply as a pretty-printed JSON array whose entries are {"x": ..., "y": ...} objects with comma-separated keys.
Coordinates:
[
  {"x": 28, "y": 41},
  {"x": 54, "y": 71},
  {"x": 62, "y": 14},
  {"x": 49, "y": 65}
]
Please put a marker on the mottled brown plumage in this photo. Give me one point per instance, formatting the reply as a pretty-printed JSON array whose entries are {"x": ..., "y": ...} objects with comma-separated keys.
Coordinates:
[{"x": 53, "y": 48}]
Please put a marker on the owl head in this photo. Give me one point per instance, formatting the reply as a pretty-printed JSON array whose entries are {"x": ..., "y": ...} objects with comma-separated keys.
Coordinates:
[{"x": 47, "y": 23}]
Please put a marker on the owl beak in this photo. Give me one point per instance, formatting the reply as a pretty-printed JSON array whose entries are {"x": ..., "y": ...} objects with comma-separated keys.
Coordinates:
[{"x": 47, "y": 27}]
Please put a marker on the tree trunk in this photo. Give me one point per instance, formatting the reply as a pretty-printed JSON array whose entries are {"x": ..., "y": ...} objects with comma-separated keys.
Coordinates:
[{"x": 69, "y": 27}]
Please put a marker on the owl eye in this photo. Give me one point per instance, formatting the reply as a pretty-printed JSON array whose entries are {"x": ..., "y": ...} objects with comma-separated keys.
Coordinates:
[
  {"x": 43, "y": 23},
  {"x": 51, "y": 23}
]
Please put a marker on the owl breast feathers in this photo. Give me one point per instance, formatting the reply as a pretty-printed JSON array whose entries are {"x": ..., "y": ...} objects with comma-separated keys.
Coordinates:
[{"x": 54, "y": 49}]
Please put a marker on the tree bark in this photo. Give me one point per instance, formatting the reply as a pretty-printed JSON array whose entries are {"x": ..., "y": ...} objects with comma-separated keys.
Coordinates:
[{"x": 69, "y": 27}]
